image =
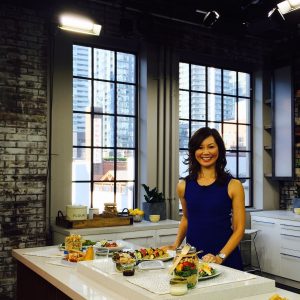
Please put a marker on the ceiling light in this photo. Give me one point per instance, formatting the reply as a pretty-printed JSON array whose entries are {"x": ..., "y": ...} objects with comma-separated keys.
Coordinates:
[
  {"x": 210, "y": 17},
  {"x": 79, "y": 24},
  {"x": 288, "y": 6}
]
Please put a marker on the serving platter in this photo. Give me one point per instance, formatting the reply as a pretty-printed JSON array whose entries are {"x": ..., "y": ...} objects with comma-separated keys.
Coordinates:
[{"x": 111, "y": 249}]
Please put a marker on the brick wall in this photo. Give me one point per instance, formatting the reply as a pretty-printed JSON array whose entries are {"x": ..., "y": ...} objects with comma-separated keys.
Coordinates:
[{"x": 23, "y": 136}]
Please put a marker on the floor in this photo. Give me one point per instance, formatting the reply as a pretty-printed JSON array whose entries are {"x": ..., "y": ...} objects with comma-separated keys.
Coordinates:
[{"x": 277, "y": 284}]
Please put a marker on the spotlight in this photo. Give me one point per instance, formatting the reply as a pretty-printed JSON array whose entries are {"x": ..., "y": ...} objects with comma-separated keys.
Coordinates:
[
  {"x": 210, "y": 17},
  {"x": 275, "y": 15}
]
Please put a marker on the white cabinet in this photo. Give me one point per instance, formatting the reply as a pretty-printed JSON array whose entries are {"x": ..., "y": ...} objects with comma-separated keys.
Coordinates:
[
  {"x": 145, "y": 234},
  {"x": 145, "y": 238},
  {"x": 290, "y": 250},
  {"x": 267, "y": 244},
  {"x": 166, "y": 236},
  {"x": 278, "y": 246}
]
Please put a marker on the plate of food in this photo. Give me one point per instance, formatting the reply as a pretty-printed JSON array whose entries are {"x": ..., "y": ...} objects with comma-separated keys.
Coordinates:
[
  {"x": 112, "y": 246},
  {"x": 146, "y": 254},
  {"x": 206, "y": 271}
]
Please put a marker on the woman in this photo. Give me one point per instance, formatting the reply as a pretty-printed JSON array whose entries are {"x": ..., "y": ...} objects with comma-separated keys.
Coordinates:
[{"x": 212, "y": 202}]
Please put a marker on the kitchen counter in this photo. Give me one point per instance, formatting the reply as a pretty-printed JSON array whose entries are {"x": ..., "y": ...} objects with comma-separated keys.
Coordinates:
[
  {"x": 277, "y": 214},
  {"x": 77, "y": 281},
  {"x": 136, "y": 226}
]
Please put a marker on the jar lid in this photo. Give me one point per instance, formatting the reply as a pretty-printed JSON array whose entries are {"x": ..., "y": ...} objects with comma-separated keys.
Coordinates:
[
  {"x": 178, "y": 280},
  {"x": 191, "y": 251}
]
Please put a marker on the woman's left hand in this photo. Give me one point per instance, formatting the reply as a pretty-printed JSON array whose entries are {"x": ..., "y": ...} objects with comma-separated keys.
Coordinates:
[{"x": 210, "y": 258}]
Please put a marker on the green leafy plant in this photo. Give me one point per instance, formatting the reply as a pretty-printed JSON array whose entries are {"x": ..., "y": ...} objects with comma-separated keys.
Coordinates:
[{"x": 153, "y": 195}]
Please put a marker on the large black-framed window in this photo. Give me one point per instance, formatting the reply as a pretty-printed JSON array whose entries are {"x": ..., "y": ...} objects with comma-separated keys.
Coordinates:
[
  {"x": 104, "y": 165},
  {"x": 222, "y": 99}
]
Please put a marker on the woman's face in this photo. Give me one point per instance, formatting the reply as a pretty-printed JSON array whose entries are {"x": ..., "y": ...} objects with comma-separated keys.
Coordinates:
[{"x": 207, "y": 153}]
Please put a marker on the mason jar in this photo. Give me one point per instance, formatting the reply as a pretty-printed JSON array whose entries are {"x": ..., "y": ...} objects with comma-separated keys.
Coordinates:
[{"x": 187, "y": 267}]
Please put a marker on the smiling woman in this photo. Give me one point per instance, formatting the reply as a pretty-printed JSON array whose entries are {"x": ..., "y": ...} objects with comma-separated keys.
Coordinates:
[{"x": 212, "y": 202}]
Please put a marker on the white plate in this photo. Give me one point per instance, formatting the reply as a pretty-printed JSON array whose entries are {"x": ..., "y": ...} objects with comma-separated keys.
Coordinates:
[
  {"x": 217, "y": 273},
  {"x": 62, "y": 247},
  {"x": 111, "y": 249}
]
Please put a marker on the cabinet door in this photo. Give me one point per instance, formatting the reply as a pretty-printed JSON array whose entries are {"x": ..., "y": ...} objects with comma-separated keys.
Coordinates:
[
  {"x": 290, "y": 250},
  {"x": 140, "y": 238},
  {"x": 290, "y": 264},
  {"x": 267, "y": 244},
  {"x": 166, "y": 236}
]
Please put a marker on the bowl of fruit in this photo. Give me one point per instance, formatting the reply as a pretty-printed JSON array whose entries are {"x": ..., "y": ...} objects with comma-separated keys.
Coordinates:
[{"x": 137, "y": 214}]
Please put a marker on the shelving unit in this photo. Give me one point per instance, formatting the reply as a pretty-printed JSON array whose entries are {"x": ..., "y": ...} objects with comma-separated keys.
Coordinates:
[{"x": 268, "y": 136}]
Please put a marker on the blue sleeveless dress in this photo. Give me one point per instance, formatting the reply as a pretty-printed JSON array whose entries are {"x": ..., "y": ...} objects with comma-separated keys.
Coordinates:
[{"x": 209, "y": 220}]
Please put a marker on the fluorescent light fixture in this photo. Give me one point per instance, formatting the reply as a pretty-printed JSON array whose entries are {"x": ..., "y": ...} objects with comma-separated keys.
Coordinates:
[
  {"x": 288, "y": 6},
  {"x": 78, "y": 24}
]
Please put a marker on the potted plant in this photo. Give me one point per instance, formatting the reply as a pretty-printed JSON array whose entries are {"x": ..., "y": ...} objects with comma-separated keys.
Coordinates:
[{"x": 155, "y": 203}]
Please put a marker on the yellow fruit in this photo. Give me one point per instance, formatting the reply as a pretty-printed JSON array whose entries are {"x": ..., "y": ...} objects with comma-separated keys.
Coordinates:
[{"x": 89, "y": 255}]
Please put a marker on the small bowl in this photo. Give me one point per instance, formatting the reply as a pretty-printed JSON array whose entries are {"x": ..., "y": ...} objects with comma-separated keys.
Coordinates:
[
  {"x": 154, "y": 218},
  {"x": 138, "y": 218},
  {"x": 297, "y": 210}
]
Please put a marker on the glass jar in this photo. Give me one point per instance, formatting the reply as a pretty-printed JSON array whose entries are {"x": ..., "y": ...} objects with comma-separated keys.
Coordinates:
[
  {"x": 178, "y": 286},
  {"x": 187, "y": 267}
]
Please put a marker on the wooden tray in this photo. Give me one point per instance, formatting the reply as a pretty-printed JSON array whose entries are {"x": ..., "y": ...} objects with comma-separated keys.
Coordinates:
[{"x": 93, "y": 223}]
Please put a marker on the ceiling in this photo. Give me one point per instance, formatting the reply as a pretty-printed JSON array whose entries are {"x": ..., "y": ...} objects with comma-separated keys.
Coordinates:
[{"x": 237, "y": 17}]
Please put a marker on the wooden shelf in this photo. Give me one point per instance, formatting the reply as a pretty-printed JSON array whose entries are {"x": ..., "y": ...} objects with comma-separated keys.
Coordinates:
[
  {"x": 268, "y": 148},
  {"x": 268, "y": 175}
]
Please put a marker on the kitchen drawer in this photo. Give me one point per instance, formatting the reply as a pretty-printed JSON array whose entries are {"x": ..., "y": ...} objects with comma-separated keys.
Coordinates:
[
  {"x": 290, "y": 264},
  {"x": 290, "y": 241}
]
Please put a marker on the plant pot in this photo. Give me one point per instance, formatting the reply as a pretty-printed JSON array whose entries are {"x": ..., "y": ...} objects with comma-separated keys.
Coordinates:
[{"x": 155, "y": 208}]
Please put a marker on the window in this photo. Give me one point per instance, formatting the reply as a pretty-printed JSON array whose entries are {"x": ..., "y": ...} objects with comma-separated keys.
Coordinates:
[
  {"x": 104, "y": 127},
  {"x": 220, "y": 99}
]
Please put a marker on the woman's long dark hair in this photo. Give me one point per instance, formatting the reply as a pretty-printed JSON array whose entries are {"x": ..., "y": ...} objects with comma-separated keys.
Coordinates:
[{"x": 193, "y": 165}]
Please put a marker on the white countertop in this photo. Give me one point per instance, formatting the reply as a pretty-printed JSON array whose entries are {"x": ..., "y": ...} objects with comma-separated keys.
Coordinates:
[
  {"x": 277, "y": 214},
  {"x": 85, "y": 285},
  {"x": 136, "y": 226}
]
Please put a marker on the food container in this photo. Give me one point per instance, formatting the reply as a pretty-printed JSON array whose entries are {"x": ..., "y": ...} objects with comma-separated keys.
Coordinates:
[
  {"x": 92, "y": 212},
  {"x": 128, "y": 269},
  {"x": 187, "y": 267},
  {"x": 76, "y": 212},
  {"x": 178, "y": 286}
]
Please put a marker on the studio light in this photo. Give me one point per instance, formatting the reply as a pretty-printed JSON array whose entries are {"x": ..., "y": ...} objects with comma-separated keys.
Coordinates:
[
  {"x": 210, "y": 17},
  {"x": 78, "y": 24},
  {"x": 287, "y": 6}
]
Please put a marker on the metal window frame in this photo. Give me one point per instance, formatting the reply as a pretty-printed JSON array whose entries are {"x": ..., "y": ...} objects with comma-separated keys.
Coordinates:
[
  {"x": 93, "y": 114},
  {"x": 237, "y": 97}
]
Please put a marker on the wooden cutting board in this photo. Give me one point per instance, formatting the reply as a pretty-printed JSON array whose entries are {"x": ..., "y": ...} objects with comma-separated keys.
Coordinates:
[{"x": 93, "y": 223}]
